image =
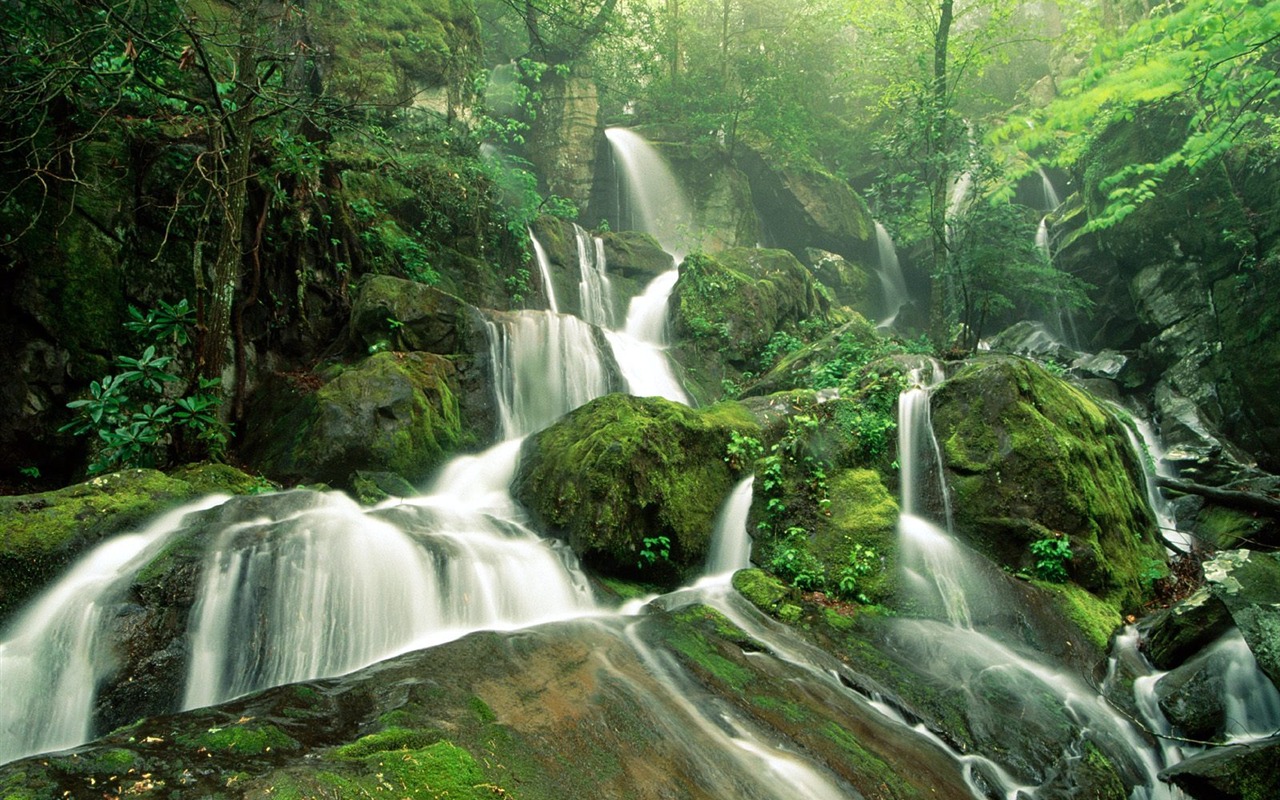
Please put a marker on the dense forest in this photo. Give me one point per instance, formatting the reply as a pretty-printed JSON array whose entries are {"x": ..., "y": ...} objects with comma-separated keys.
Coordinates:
[{"x": 435, "y": 319}]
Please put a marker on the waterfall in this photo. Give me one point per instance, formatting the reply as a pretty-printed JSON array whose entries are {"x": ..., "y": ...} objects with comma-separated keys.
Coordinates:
[
  {"x": 544, "y": 268},
  {"x": 332, "y": 587},
  {"x": 594, "y": 288},
  {"x": 892, "y": 281},
  {"x": 1051, "y": 200},
  {"x": 651, "y": 191},
  {"x": 1042, "y": 239},
  {"x": 1146, "y": 446},
  {"x": 730, "y": 543},
  {"x": 54, "y": 654},
  {"x": 662, "y": 211},
  {"x": 545, "y": 365},
  {"x": 958, "y": 592}
]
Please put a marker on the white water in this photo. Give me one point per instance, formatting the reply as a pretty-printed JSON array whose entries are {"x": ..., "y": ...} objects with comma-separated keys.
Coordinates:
[
  {"x": 1042, "y": 239},
  {"x": 53, "y": 655},
  {"x": 892, "y": 281},
  {"x": 947, "y": 584},
  {"x": 1051, "y": 200},
  {"x": 545, "y": 365},
  {"x": 651, "y": 192},
  {"x": 544, "y": 269},
  {"x": 1144, "y": 442},
  {"x": 730, "y": 543},
  {"x": 662, "y": 211},
  {"x": 594, "y": 287}
]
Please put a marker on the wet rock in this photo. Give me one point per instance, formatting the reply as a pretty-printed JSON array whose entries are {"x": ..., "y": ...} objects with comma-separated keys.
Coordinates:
[
  {"x": 1244, "y": 772},
  {"x": 372, "y": 488},
  {"x": 1107, "y": 364},
  {"x": 1192, "y": 696},
  {"x": 564, "y": 138},
  {"x": 1033, "y": 339},
  {"x": 1248, "y": 584},
  {"x": 848, "y": 283},
  {"x": 1173, "y": 635},
  {"x": 40, "y": 534},
  {"x": 622, "y": 470},
  {"x": 391, "y": 412},
  {"x": 1030, "y": 457},
  {"x": 1192, "y": 443}
]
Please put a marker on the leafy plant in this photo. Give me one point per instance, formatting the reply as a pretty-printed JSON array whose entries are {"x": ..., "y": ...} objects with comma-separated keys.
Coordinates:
[
  {"x": 655, "y": 549},
  {"x": 1050, "y": 558},
  {"x": 793, "y": 562},
  {"x": 742, "y": 450},
  {"x": 129, "y": 412},
  {"x": 862, "y": 561}
]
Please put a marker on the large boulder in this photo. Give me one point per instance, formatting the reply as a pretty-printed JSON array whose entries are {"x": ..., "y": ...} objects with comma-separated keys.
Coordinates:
[
  {"x": 1248, "y": 584},
  {"x": 1029, "y": 458},
  {"x": 622, "y": 470},
  {"x": 726, "y": 307},
  {"x": 398, "y": 314},
  {"x": 40, "y": 534},
  {"x": 1242, "y": 772},
  {"x": 391, "y": 412}
]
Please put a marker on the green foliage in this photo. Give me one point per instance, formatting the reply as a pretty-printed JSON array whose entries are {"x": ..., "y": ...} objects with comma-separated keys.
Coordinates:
[
  {"x": 132, "y": 412},
  {"x": 1050, "y": 558},
  {"x": 862, "y": 561},
  {"x": 1213, "y": 59},
  {"x": 742, "y": 450},
  {"x": 653, "y": 550},
  {"x": 792, "y": 561}
]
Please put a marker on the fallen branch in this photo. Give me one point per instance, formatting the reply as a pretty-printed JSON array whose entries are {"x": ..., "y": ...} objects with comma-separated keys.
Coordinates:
[{"x": 1247, "y": 501}]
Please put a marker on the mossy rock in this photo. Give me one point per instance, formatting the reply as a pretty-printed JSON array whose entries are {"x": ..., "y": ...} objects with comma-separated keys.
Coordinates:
[
  {"x": 398, "y": 314},
  {"x": 391, "y": 412},
  {"x": 734, "y": 301},
  {"x": 1029, "y": 457},
  {"x": 864, "y": 514},
  {"x": 389, "y": 51},
  {"x": 623, "y": 469},
  {"x": 40, "y": 534}
]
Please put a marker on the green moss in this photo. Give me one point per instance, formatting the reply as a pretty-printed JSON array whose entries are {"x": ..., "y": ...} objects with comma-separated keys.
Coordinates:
[
  {"x": 209, "y": 478},
  {"x": 1030, "y": 456},
  {"x": 763, "y": 590},
  {"x": 41, "y": 533},
  {"x": 1227, "y": 528},
  {"x": 481, "y": 709},
  {"x": 621, "y": 469},
  {"x": 689, "y": 639},
  {"x": 385, "y": 741},
  {"x": 867, "y": 763},
  {"x": 109, "y": 761},
  {"x": 789, "y": 710},
  {"x": 242, "y": 739},
  {"x": 1096, "y": 619}
]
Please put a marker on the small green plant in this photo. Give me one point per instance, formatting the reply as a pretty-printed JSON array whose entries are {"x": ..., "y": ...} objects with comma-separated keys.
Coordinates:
[
  {"x": 1050, "y": 558},
  {"x": 862, "y": 561},
  {"x": 1152, "y": 570},
  {"x": 30, "y": 472},
  {"x": 742, "y": 451},
  {"x": 793, "y": 563},
  {"x": 655, "y": 549}
]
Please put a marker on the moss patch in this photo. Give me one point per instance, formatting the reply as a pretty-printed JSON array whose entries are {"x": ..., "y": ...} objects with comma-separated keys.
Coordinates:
[{"x": 1096, "y": 619}]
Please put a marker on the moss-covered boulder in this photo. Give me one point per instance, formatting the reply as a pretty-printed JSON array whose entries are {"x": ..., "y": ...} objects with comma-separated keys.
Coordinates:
[
  {"x": 848, "y": 284},
  {"x": 1241, "y": 772},
  {"x": 40, "y": 534},
  {"x": 725, "y": 308},
  {"x": 397, "y": 52},
  {"x": 1031, "y": 458},
  {"x": 398, "y": 314},
  {"x": 621, "y": 472},
  {"x": 392, "y": 412}
]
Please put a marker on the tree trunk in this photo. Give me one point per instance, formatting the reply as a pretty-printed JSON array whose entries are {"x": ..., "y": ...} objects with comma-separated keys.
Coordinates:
[{"x": 938, "y": 145}]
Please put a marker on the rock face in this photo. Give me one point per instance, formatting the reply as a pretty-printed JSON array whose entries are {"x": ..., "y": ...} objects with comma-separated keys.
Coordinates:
[
  {"x": 393, "y": 412},
  {"x": 623, "y": 469},
  {"x": 1248, "y": 585},
  {"x": 565, "y": 136},
  {"x": 803, "y": 209},
  {"x": 1028, "y": 458},
  {"x": 397, "y": 314},
  {"x": 1246, "y": 772}
]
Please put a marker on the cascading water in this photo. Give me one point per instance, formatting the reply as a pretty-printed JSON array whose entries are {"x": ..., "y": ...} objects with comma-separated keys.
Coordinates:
[
  {"x": 892, "y": 282},
  {"x": 594, "y": 288},
  {"x": 730, "y": 543},
  {"x": 660, "y": 210},
  {"x": 544, "y": 269},
  {"x": 953, "y": 588},
  {"x": 545, "y": 365},
  {"x": 53, "y": 655},
  {"x": 1146, "y": 445},
  {"x": 1051, "y": 199}
]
